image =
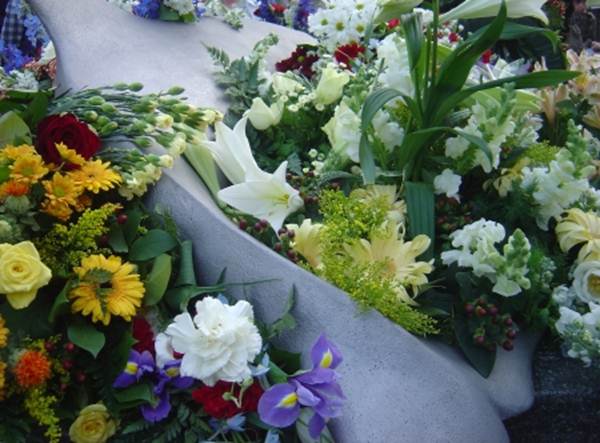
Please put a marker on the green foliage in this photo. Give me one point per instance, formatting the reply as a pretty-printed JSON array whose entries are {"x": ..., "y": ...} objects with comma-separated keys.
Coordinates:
[
  {"x": 63, "y": 247},
  {"x": 151, "y": 245},
  {"x": 241, "y": 78}
]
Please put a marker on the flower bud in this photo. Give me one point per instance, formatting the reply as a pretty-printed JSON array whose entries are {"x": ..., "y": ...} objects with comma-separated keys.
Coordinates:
[
  {"x": 96, "y": 100},
  {"x": 175, "y": 90},
  {"x": 331, "y": 86},
  {"x": 262, "y": 116},
  {"x": 135, "y": 87}
]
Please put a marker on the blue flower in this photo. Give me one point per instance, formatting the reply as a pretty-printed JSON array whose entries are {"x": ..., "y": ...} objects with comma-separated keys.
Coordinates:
[{"x": 147, "y": 9}]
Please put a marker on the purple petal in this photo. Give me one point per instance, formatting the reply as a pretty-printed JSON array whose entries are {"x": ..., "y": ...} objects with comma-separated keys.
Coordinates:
[
  {"x": 305, "y": 396},
  {"x": 279, "y": 406},
  {"x": 146, "y": 363},
  {"x": 317, "y": 376},
  {"x": 124, "y": 380},
  {"x": 316, "y": 426},
  {"x": 182, "y": 382},
  {"x": 160, "y": 412},
  {"x": 325, "y": 354}
]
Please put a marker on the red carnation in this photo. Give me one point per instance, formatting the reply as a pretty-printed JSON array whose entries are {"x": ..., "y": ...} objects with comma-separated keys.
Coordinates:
[
  {"x": 346, "y": 53},
  {"x": 486, "y": 57},
  {"x": 277, "y": 8},
  {"x": 391, "y": 24},
  {"x": 67, "y": 129},
  {"x": 301, "y": 60},
  {"x": 211, "y": 399},
  {"x": 142, "y": 332}
]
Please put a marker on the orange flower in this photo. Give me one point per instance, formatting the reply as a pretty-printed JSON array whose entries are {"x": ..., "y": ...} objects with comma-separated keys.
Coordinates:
[
  {"x": 14, "y": 189},
  {"x": 61, "y": 194},
  {"x": 32, "y": 369}
]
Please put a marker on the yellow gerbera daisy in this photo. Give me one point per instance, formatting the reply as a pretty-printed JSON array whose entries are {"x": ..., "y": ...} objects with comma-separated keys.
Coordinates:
[
  {"x": 107, "y": 287},
  {"x": 580, "y": 227},
  {"x": 28, "y": 169},
  {"x": 12, "y": 153},
  {"x": 61, "y": 194},
  {"x": 69, "y": 155},
  {"x": 96, "y": 176}
]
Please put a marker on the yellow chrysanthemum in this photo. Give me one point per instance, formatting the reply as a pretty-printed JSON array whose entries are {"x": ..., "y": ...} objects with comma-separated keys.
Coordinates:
[
  {"x": 389, "y": 194},
  {"x": 12, "y": 153},
  {"x": 399, "y": 256},
  {"x": 96, "y": 176},
  {"x": 69, "y": 155},
  {"x": 106, "y": 287},
  {"x": 3, "y": 333},
  {"x": 307, "y": 241},
  {"x": 580, "y": 227},
  {"x": 28, "y": 169},
  {"x": 61, "y": 194}
]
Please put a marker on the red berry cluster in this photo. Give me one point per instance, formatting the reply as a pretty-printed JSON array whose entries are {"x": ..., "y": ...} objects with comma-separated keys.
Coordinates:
[
  {"x": 65, "y": 355},
  {"x": 491, "y": 327}
]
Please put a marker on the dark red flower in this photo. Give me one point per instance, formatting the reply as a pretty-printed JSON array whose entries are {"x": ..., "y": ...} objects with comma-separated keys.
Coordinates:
[
  {"x": 346, "y": 53},
  {"x": 486, "y": 57},
  {"x": 67, "y": 129},
  {"x": 211, "y": 399},
  {"x": 301, "y": 61},
  {"x": 277, "y": 8},
  {"x": 391, "y": 24},
  {"x": 453, "y": 37},
  {"x": 142, "y": 332}
]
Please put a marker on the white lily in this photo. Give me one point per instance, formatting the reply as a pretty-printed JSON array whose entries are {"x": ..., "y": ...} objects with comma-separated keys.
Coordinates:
[
  {"x": 265, "y": 196},
  {"x": 232, "y": 152},
  {"x": 489, "y": 8}
]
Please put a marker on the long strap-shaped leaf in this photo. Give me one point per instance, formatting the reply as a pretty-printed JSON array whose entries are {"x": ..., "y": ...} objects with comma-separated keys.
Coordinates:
[{"x": 420, "y": 205}]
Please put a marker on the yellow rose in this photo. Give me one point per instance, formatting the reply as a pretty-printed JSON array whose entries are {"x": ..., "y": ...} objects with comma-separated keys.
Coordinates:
[
  {"x": 262, "y": 116},
  {"x": 22, "y": 273},
  {"x": 93, "y": 425}
]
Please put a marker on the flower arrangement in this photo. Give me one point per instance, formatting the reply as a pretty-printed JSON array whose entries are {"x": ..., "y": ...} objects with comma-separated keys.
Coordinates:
[
  {"x": 105, "y": 333},
  {"x": 439, "y": 184}
]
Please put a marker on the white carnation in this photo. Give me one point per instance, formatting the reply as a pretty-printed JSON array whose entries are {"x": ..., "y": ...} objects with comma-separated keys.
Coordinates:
[{"x": 218, "y": 342}]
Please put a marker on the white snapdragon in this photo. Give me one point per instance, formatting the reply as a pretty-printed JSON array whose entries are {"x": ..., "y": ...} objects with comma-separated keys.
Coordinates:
[
  {"x": 396, "y": 69},
  {"x": 388, "y": 131},
  {"x": 448, "y": 183},
  {"x": 182, "y": 7}
]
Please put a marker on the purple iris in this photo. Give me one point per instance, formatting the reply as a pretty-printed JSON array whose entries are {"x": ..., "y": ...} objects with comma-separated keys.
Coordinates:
[
  {"x": 147, "y": 9},
  {"x": 140, "y": 364},
  {"x": 137, "y": 365},
  {"x": 316, "y": 389},
  {"x": 303, "y": 10}
]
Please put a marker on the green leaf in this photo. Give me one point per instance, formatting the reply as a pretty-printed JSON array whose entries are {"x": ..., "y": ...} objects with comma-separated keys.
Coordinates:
[
  {"x": 414, "y": 143},
  {"x": 13, "y": 128},
  {"x": 131, "y": 226},
  {"x": 139, "y": 393},
  {"x": 456, "y": 68},
  {"x": 276, "y": 374},
  {"x": 286, "y": 322},
  {"x": 116, "y": 239},
  {"x": 420, "y": 204},
  {"x": 158, "y": 280},
  {"x": 481, "y": 359},
  {"x": 187, "y": 275},
  {"x": 513, "y": 31},
  {"x": 290, "y": 362},
  {"x": 120, "y": 353},
  {"x": 168, "y": 14},
  {"x": 393, "y": 10},
  {"x": 37, "y": 109},
  {"x": 85, "y": 336},
  {"x": 477, "y": 141},
  {"x": 374, "y": 102},
  {"x": 303, "y": 432},
  {"x": 415, "y": 40},
  {"x": 151, "y": 245},
  {"x": 61, "y": 304}
]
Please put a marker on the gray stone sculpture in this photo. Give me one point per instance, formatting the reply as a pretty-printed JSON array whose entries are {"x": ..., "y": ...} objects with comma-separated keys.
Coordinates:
[{"x": 400, "y": 388}]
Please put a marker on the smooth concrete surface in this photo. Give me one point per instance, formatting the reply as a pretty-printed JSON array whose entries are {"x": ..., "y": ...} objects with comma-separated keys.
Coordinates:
[{"x": 399, "y": 388}]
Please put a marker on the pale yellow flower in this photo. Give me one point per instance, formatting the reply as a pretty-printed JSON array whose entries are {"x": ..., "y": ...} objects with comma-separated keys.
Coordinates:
[
  {"x": 400, "y": 257},
  {"x": 307, "y": 241},
  {"x": 579, "y": 227},
  {"x": 93, "y": 425},
  {"x": 389, "y": 194},
  {"x": 22, "y": 273}
]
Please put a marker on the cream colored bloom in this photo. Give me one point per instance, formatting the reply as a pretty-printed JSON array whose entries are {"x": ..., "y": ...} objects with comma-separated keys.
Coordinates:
[
  {"x": 331, "y": 86},
  {"x": 262, "y": 116},
  {"x": 343, "y": 132},
  {"x": 307, "y": 241},
  {"x": 586, "y": 281},
  {"x": 580, "y": 227},
  {"x": 399, "y": 255},
  {"x": 93, "y": 425},
  {"x": 489, "y": 8},
  {"x": 389, "y": 193},
  {"x": 551, "y": 97},
  {"x": 22, "y": 273}
]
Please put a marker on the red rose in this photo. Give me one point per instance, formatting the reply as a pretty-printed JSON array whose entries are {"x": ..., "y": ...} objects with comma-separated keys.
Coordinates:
[
  {"x": 142, "y": 332},
  {"x": 216, "y": 406},
  {"x": 67, "y": 129}
]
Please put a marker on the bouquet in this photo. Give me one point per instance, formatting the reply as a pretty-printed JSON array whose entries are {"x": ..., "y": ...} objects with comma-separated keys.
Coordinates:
[
  {"x": 104, "y": 330},
  {"x": 420, "y": 172}
]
